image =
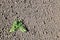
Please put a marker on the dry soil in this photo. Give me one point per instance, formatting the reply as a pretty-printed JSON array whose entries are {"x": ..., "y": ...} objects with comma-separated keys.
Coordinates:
[{"x": 41, "y": 17}]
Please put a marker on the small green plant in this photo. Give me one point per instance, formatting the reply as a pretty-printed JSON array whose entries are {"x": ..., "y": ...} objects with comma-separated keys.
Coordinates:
[{"x": 18, "y": 24}]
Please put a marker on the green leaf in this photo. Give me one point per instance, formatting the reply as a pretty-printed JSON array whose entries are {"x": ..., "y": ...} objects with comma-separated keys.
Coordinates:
[{"x": 17, "y": 24}]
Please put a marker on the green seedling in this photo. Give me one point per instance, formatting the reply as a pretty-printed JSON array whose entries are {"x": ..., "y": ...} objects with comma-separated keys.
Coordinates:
[{"x": 18, "y": 24}]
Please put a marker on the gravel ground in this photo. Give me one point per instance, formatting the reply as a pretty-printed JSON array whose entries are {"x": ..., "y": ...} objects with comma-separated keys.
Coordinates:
[{"x": 41, "y": 17}]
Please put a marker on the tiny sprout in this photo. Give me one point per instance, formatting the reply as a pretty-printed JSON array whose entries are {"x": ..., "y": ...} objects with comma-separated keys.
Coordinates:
[{"x": 18, "y": 24}]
